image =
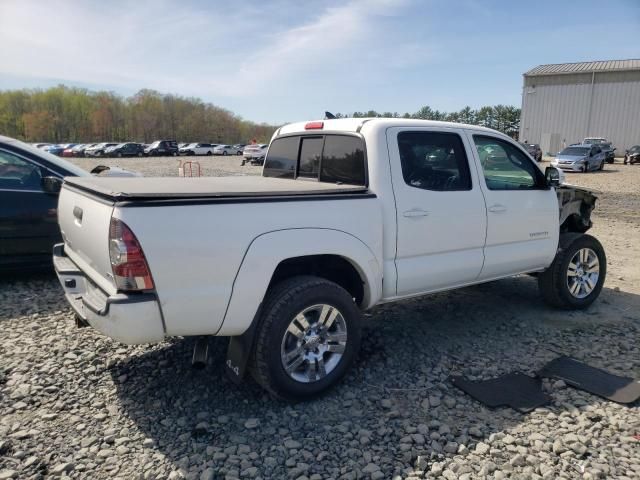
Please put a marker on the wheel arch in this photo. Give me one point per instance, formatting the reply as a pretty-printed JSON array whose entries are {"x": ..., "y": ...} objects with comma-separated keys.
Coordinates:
[{"x": 274, "y": 256}]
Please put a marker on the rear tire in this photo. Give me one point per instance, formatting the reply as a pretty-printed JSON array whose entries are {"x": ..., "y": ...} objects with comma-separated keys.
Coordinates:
[
  {"x": 315, "y": 358},
  {"x": 573, "y": 282}
]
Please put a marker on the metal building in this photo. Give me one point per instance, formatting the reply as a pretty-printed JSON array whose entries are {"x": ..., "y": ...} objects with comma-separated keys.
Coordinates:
[{"x": 564, "y": 103}]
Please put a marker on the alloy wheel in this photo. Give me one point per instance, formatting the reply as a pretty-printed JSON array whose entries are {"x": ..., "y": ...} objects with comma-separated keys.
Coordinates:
[
  {"x": 583, "y": 273},
  {"x": 314, "y": 343}
]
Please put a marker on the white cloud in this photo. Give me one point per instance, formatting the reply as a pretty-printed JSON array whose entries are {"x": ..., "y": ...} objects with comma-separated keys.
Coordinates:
[{"x": 182, "y": 48}]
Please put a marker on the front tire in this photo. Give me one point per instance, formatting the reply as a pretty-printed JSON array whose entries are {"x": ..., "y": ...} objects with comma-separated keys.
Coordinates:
[
  {"x": 575, "y": 278},
  {"x": 307, "y": 338}
]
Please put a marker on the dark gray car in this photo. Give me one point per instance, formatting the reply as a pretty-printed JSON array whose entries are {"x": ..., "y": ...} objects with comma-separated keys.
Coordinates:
[{"x": 534, "y": 150}]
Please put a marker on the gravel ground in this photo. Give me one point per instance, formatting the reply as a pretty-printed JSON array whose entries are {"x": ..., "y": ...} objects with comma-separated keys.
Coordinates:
[{"x": 74, "y": 403}]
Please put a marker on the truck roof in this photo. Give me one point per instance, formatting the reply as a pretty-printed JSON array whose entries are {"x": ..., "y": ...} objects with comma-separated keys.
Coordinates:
[{"x": 355, "y": 124}]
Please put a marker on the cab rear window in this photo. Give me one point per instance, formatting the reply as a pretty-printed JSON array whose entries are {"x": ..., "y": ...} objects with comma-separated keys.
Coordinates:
[{"x": 326, "y": 158}]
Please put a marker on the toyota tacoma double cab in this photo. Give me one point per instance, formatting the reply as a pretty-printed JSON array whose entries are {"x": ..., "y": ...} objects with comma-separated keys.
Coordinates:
[{"x": 348, "y": 214}]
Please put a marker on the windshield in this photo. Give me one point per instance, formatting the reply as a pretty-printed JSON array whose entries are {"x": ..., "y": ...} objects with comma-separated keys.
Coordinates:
[
  {"x": 575, "y": 151},
  {"x": 634, "y": 149},
  {"x": 593, "y": 140},
  {"x": 155, "y": 144}
]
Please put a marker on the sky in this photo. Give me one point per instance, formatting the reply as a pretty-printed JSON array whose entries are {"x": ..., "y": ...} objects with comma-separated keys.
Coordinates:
[{"x": 287, "y": 60}]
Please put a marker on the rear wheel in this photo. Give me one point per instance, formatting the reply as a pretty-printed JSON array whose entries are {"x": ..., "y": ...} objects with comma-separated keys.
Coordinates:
[
  {"x": 575, "y": 278},
  {"x": 308, "y": 337}
]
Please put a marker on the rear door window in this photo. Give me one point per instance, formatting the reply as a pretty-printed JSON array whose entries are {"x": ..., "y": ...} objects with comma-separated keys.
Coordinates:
[{"x": 434, "y": 161}]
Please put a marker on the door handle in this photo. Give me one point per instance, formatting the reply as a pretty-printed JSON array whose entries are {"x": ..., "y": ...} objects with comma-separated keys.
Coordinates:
[
  {"x": 497, "y": 208},
  {"x": 416, "y": 212}
]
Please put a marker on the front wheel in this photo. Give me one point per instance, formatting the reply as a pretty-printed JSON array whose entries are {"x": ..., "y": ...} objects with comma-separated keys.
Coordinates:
[
  {"x": 575, "y": 278},
  {"x": 308, "y": 337},
  {"x": 224, "y": 153}
]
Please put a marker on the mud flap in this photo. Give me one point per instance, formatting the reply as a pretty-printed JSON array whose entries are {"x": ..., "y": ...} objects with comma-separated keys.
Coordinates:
[{"x": 239, "y": 351}]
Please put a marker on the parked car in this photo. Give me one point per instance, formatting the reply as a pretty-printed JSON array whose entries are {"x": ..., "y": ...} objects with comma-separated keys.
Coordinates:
[
  {"x": 534, "y": 150},
  {"x": 40, "y": 145},
  {"x": 609, "y": 151},
  {"x": 298, "y": 264},
  {"x": 162, "y": 148},
  {"x": 198, "y": 149},
  {"x": 223, "y": 149},
  {"x": 254, "y": 153},
  {"x": 580, "y": 158},
  {"x": 128, "y": 149},
  {"x": 58, "y": 149},
  {"x": 69, "y": 151},
  {"x": 29, "y": 183},
  {"x": 98, "y": 150},
  {"x": 78, "y": 150},
  {"x": 632, "y": 155},
  {"x": 594, "y": 141}
]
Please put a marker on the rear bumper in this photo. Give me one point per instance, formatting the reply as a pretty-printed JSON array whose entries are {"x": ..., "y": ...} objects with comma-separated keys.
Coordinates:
[{"x": 130, "y": 319}]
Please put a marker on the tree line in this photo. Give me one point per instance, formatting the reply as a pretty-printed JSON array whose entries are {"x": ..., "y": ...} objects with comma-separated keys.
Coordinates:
[
  {"x": 66, "y": 114},
  {"x": 504, "y": 118}
]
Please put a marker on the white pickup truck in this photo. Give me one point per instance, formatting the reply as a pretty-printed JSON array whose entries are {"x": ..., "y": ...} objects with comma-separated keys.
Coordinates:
[{"x": 347, "y": 214}]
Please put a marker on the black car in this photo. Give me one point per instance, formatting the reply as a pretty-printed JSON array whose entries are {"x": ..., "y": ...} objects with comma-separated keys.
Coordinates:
[
  {"x": 162, "y": 147},
  {"x": 534, "y": 150},
  {"x": 130, "y": 149},
  {"x": 632, "y": 155},
  {"x": 30, "y": 180},
  {"x": 609, "y": 151}
]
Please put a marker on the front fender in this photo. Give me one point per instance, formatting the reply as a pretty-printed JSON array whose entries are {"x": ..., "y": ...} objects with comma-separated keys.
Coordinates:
[{"x": 269, "y": 249}]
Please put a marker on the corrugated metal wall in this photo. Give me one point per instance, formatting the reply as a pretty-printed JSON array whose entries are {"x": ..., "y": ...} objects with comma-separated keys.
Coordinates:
[{"x": 570, "y": 106}]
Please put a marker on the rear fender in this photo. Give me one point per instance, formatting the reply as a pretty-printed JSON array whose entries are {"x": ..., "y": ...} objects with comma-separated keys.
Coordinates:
[{"x": 267, "y": 251}]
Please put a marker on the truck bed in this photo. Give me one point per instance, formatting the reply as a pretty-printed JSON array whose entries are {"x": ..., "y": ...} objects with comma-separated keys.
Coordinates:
[{"x": 176, "y": 188}]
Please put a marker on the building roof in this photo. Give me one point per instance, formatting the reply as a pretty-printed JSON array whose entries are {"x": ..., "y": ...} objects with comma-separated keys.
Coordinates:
[{"x": 585, "y": 67}]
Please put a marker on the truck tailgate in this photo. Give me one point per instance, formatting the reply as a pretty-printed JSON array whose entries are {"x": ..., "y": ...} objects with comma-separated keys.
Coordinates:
[{"x": 84, "y": 222}]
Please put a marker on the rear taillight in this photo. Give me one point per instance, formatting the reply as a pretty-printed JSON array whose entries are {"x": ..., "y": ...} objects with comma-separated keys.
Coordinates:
[{"x": 130, "y": 269}]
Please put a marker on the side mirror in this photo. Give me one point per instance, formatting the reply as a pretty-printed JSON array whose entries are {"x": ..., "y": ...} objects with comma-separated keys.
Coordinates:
[
  {"x": 51, "y": 185},
  {"x": 552, "y": 174}
]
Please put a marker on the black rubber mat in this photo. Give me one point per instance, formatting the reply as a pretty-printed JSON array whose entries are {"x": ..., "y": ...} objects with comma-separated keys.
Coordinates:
[
  {"x": 592, "y": 380},
  {"x": 516, "y": 390}
]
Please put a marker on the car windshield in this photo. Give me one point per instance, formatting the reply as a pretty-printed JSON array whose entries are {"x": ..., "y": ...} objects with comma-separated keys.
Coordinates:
[
  {"x": 634, "y": 149},
  {"x": 593, "y": 140},
  {"x": 155, "y": 144},
  {"x": 575, "y": 151},
  {"x": 192, "y": 145}
]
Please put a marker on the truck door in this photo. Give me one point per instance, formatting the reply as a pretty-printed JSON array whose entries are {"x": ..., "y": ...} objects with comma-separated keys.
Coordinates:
[
  {"x": 522, "y": 212},
  {"x": 441, "y": 214}
]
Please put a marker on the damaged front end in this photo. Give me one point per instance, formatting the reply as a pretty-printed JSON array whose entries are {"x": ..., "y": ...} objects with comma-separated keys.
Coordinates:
[{"x": 575, "y": 205}]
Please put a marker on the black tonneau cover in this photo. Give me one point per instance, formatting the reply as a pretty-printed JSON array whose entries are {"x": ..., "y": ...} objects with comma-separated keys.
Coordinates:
[{"x": 121, "y": 189}]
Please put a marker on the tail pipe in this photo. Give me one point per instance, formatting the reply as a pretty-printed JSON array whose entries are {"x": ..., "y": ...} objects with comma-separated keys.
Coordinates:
[{"x": 200, "y": 353}]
